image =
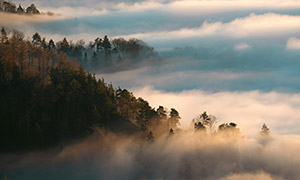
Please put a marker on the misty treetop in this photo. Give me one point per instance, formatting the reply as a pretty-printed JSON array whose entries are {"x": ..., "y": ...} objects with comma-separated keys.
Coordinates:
[
  {"x": 207, "y": 124},
  {"x": 103, "y": 54}
]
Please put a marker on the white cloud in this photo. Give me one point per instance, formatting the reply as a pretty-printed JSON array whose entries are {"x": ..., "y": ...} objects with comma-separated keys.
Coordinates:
[
  {"x": 265, "y": 25},
  {"x": 242, "y": 46},
  {"x": 248, "y": 109},
  {"x": 249, "y": 176},
  {"x": 184, "y": 7},
  {"x": 67, "y": 11},
  {"x": 206, "y": 29},
  {"x": 218, "y": 6},
  {"x": 268, "y": 24},
  {"x": 170, "y": 76},
  {"x": 254, "y": 26},
  {"x": 293, "y": 43}
]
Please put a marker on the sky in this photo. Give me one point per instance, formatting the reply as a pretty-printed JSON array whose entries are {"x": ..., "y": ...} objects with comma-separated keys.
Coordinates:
[{"x": 220, "y": 56}]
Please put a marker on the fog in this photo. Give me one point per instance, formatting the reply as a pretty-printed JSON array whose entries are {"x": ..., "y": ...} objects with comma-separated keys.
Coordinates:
[
  {"x": 184, "y": 155},
  {"x": 15, "y": 20}
]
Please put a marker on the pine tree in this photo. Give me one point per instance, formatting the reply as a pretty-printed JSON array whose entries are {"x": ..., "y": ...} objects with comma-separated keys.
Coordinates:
[
  {"x": 265, "y": 130},
  {"x": 4, "y": 37},
  {"x": 36, "y": 39},
  {"x": 174, "y": 118},
  {"x": 150, "y": 137}
]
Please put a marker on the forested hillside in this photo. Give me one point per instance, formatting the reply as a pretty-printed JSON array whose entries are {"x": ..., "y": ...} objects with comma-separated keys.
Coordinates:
[{"x": 47, "y": 97}]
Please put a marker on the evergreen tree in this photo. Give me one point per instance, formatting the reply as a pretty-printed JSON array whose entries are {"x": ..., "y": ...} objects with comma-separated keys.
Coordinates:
[
  {"x": 4, "y": 37},
  {"x": 36, "y": 39},
  {"x": 51, "y": 44},
  {"x": 32, "y": 9},
  {"x": 44, "y": 43},
  {"x": 208, "y": 121},
  {"x": 64, "y": 45},
  {"x": 174, "y": 119},
  {"x": 199, "y": 126},
  {"x": 106, "y": 46},
  {"x": 171, "y": 132},
  {"x": 265, "y": 130},
  {"x": 228, "y": 129},
  {"x": 150, "y": 137}
]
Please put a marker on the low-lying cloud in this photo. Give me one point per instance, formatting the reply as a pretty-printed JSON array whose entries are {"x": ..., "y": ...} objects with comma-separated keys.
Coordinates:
[
  {"x": 242, "y": 46},
  {"x": 293, "y": 43},
  {"x": 265, "y": 25},
  {"x": 16, "y": 20},
  {"x": 186, "y": 155}
]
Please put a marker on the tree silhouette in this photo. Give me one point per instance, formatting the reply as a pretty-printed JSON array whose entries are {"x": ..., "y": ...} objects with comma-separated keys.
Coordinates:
[
  {"x": 171, "y": 132},
  {"x": 199, "y": 126},
  {"x": 36, "y": 39},
  {"x": 174, "y": 119},
  {"x": 51, "y": 44},
  {"x": 20, "y": 10},
  {"x": 32, "y": 10},
  {"x": 208, "y": 121},
  {"x": 229, "y": 129},
  {"x": 150, "y": 137},
  {"x": 265, "y": 130},
  {"x": 4, "y": 37},
  {"x": 106, "y": 45}
]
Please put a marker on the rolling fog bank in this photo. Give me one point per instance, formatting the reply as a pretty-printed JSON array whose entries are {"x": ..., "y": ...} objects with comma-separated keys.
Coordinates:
[{"x": 184, "y": 155}]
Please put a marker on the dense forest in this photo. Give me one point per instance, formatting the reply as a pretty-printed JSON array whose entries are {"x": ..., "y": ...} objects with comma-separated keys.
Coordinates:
[{"x": 47, "y": 97}]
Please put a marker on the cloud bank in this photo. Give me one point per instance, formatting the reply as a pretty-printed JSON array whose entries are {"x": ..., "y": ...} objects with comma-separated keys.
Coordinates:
[
  {"x": 265, "y": 25},
  {"x": 255, "y": 26},
  {"x": 186, "y": 155},
  {"x": 15, "y": 20},
  {"x": 293, "y": 43},
  {"x": 242, "y": 46}
]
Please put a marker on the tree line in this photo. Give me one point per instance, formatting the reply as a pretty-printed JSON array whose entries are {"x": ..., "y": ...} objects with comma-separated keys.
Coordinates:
[
  {"x": 102, "y": 54},
  {"x": 47, "y": 98}
]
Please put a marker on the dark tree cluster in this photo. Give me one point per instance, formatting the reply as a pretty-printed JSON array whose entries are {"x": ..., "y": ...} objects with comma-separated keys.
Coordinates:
[
  {"x": 47, "y": 98},
  {"x": 265, "y": 130},
  {"x": 105, "y": 54},
  {"x": 9, "y": 7},
  {"x": 204, "y": 122},
  {"x": 228, "y": 127}
]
